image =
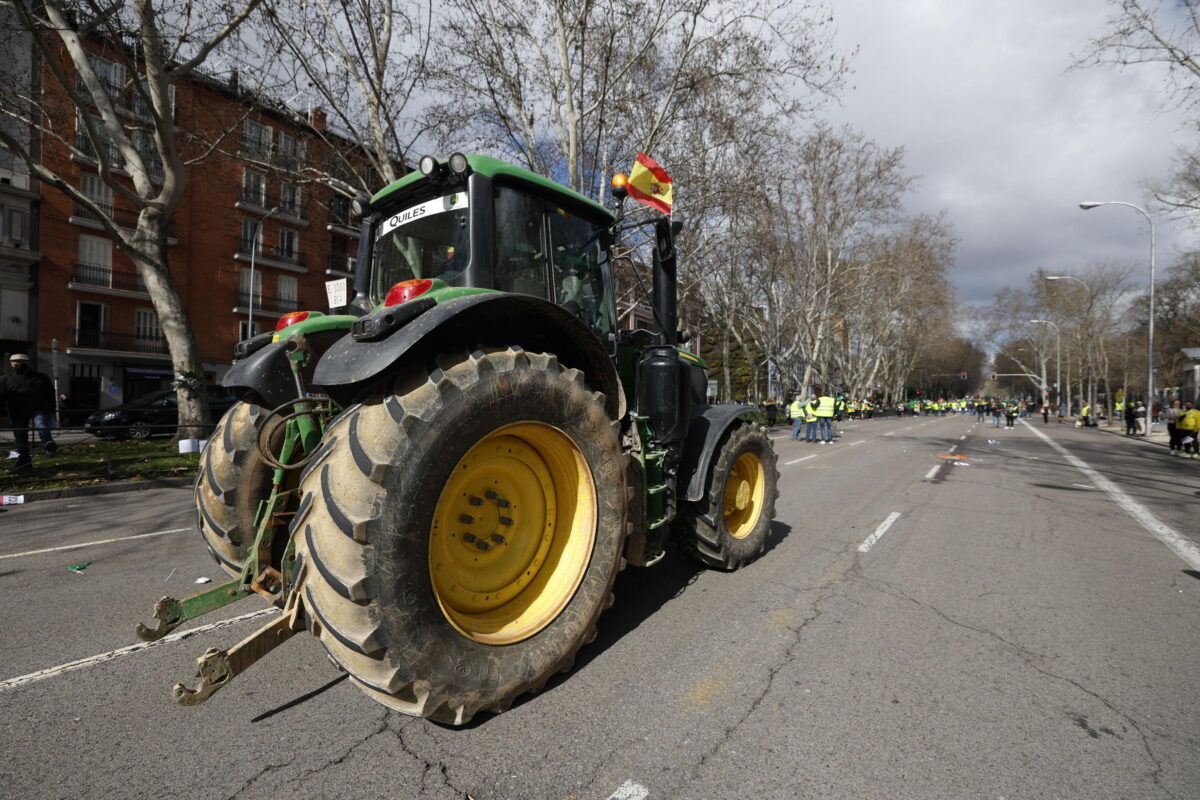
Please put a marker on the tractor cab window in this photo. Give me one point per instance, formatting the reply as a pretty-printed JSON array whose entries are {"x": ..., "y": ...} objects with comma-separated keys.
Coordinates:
[
  {"x": 578, "y": 254},
  {"x": 428, "y": 240},
  {"x": 547, "y": 251}
]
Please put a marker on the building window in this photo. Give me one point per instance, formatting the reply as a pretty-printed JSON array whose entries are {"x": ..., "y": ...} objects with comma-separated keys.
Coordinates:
[
  {"x": 98, "y": 192},
  {"x": 289, "y": 200},
  {"x": 110, "y": 74},
  {"x": 256, "y": 140},
  {"x": 95, "y": 262},
  {"x": 254, "y": 188},
  {"x": 251, "y": 237},
  {"x": 12, "y": 227},
  {"x": 290, "y": 152},
  {"x": 147, "y": 334},
  {"x": 289, "y": 241},
  {"x": 339, "y": 210},
  {"x": 143, "y": 142},
  {"x": 103, "y": 148},
  {"x": 245, "y": 291},
  {"x": 288, "y": 300},
  {"x": 91, "y": 325},
  {"x": 247, "y": 329}
]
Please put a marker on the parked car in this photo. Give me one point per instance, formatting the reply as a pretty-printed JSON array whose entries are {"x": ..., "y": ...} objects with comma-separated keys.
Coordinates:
[{"x": 154, "y": 414}]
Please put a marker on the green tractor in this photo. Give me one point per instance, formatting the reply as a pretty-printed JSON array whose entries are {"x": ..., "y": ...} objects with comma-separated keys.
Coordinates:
[{"x": 443, "y": 484}]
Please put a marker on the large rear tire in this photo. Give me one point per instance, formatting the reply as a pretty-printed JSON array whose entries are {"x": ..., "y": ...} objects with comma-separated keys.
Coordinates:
[
  {"x": 231, "y": 481},
  {"x": 460, "y": 531},
  {"x": 729, "y": 526}
]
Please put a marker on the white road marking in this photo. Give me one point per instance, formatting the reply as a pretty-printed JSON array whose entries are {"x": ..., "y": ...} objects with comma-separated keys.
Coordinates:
[
  {"x": 929, "y": 475},
  {"x": 630, "y": 790},
  {"x": 1183, "y": 547},
  {"x": 92, "y": 544},
  {"x": 952, "y": 448},
  {"x": 42, "y": 674},
  {"x": 962, "y": 437},
  {"x": 1083, "y": 486},
  {"x": 860, "y": 441},
  {"x": 798, "y": 460},
  {"x": 890, "y": 433},
  {"x": 879, "y": 532}
]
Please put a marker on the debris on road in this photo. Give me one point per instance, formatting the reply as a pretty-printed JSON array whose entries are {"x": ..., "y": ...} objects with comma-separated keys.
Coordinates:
[
  {"x": 12, "y": 499},
  {"x": 79, "y": 567},
  {"x": 169, "y": 574},
  {"x": 203, "y": 580}
]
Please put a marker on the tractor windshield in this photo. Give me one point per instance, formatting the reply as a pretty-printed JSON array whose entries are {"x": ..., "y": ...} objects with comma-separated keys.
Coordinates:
[{"x": 429, "y": 240}]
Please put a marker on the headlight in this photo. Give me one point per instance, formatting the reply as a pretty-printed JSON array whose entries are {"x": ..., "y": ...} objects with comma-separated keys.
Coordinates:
[{"x": 109, "y": 416}]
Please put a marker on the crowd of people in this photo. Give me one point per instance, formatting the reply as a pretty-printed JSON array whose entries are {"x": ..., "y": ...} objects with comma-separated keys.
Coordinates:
[{"x": 812, "y": 416}]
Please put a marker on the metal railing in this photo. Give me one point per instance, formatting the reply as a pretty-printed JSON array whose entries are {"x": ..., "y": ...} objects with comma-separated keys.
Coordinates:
[
  {"x": 341, "y": 262},
  {"x": 103, "y": 277},
  {"x": 124, "y": 217},
  {"x": 291, "y": 207},
  {"x": 281, "y": 305},
  {"x": 244, "y": 248},
  {"x": 123, "y": 342}
]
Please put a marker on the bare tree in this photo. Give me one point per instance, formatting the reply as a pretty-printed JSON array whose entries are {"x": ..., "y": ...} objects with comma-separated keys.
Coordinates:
[
  {"x": 116, "y": 65},
  {"x": 365, "y": 62}
]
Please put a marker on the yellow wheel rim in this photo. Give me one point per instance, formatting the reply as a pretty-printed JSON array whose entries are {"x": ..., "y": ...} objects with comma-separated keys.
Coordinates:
[
  {"x": 512, "y": 533},
  {"x": 744, "y": 491}
]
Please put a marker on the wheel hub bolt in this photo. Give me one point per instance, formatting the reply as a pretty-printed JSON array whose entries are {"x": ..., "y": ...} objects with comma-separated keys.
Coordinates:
[
  {"x": 497, "y": 538},
  {"x": 466, "y": 519},
  {"x": 483, "y": 545},
  {"x": 469, "y": 537},
  {"x": 506, "y": 521},
  {"x": 475, "y": 501}
]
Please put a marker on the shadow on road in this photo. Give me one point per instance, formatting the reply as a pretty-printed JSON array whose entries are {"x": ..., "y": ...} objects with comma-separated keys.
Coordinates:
[{"x": 304, "y": 698}]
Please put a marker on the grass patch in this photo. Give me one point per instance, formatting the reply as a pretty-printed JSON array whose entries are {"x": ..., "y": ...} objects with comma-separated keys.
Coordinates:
[{"x": 99, "y": 462}]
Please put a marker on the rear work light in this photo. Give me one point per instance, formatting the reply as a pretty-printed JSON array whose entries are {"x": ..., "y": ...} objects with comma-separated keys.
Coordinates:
[
  {"x": 291, "y": 319},
  {"x": 406, "y": 290}
]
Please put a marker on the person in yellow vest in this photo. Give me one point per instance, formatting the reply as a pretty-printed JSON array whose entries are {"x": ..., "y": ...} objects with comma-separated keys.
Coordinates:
[
  {"x": 1085, "y": 415},
  {"x": 796, "y": 413},
  {"x": 1189, "y": 429},
  {"x": 824, "y": 412},
  {"x": 810, "y": 420}
]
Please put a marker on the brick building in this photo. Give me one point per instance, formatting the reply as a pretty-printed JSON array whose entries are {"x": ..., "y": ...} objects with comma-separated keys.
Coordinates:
[{"x": 245, "y": 241}]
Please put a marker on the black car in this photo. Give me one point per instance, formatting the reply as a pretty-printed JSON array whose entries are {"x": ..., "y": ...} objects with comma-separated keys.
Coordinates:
[{"x": 152, "y": 415}]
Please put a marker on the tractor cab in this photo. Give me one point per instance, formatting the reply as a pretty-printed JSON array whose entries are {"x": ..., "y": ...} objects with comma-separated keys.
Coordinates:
[{"x": 478, "y": 223}]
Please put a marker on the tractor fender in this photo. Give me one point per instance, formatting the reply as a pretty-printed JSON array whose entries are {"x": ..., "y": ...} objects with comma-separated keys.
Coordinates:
[
  {"x": 492, "y": 318},
  {"x": 708, "y": 424},
  {"x": 266, "y": 372}
]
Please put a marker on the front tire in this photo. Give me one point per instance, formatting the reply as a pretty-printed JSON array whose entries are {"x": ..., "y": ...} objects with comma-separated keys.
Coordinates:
[
  {"x": 729, "y": 526},
  {"x": 460, "y": 532}
]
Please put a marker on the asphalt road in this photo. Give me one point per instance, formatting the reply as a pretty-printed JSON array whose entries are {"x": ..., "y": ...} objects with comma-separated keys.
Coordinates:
[{"x": 1019, "y": 623}]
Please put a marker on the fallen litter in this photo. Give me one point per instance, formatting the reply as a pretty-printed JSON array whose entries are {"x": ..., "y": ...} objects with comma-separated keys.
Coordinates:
[
  {"x": 960, "y": 464},
  {"x": 955, "y": 457},
  {"x": 12, "y": 500},
  {"x": 993, "y": 441},
  {"x": 203, "y": 580},
  {"x": 79, "y": 567}
]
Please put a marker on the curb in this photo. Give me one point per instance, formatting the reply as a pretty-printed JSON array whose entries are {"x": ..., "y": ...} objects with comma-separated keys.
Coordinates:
[
  {"x": 105, "y": 488},
  {"x": 1119, "y": 431}
]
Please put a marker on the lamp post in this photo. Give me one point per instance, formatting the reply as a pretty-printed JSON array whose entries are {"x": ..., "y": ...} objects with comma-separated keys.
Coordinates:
[
  {"x": 1057, "y": 362},
  {"x": 1150, "y": 316},
  {"x": 253, "y": 253}
]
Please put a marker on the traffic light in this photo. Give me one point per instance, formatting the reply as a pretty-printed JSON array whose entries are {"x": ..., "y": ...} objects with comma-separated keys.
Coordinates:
[
  {"x": 962, "y": 375},
  {"x": 993, "y": 376}
]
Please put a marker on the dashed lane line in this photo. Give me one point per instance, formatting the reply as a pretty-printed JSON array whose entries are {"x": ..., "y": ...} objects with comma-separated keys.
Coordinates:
[
  {"x": 798, "y": 460},
  {"x": 92, "y": 544},
  {"x": 929, "y": 475},
  {"x": 879, "y": 532},
  {"x": 1182, "y": 546},
  {"x": 111, "y": 655},
  {"x": 630, "y": 790}
]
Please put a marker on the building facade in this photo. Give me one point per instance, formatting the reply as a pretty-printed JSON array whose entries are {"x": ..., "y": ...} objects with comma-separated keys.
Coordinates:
[{"x": 248, "y": 243}]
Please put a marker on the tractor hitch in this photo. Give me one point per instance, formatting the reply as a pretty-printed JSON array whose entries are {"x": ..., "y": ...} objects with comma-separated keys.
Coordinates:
[{"x": 172, "y": 613}]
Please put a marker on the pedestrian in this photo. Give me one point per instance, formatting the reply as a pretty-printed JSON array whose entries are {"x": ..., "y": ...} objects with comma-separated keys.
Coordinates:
[
  {"x": 1085, "y": 415},
  {"x": 1189, "y": 427},
  {"x": 824, "y": 412},
  {"x": 1010, "y": 415},
  {"x": 29, "y": 396},
  {"x": 1045, "y": 413},
  {"x": 810, "y": 420},
  {"x": 1130, "y": 423},
  {"x": 1139, "y": 418},
  {"x": 996, "y": 414},
  {"x": 796, "y": 414},
  {"x": 772, "y": 413},
  {"x": 1172, "y": 415}
]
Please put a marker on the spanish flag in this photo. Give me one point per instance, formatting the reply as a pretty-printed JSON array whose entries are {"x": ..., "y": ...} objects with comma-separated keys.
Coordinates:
[{"x": 650, "y": 184}]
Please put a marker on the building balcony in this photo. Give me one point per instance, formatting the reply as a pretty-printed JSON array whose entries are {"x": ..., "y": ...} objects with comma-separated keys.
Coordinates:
[
  {"x": 252, "y": 199},
  {"x": 117, "y": 342},
  {"x": 123, "y": 217},
  {"x": 113, "y": 157},
  {"x": 271, "y": 254},
  {"x": 98, "y": 276},
  {"x": 265, "y": 305}
]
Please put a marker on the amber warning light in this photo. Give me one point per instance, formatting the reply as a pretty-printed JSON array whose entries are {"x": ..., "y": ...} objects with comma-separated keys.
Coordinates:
[
  {"x": 619, "y": 182},
  {"x": 291, "y": 319}
]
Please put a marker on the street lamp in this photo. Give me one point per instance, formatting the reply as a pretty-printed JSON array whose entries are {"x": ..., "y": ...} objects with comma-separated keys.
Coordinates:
[
  {"x": 253, "y": 252},
  {"x": 1057, "y": 362},
  {"x": 1150, "y": 324}
]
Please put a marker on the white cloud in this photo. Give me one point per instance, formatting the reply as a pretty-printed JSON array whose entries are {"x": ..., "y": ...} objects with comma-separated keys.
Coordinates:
[{"x": 1005, "y": 138}]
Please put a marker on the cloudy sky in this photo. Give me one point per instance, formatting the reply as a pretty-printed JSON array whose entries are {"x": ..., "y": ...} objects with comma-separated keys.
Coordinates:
[{"x": 1005, "y": 139}]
